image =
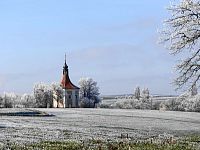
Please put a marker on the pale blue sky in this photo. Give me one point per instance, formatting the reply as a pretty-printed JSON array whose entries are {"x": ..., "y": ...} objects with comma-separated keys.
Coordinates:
[{"x": 112, "y": 41}]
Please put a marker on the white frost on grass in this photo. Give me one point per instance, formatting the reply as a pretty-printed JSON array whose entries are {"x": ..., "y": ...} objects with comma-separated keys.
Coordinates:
[{"x": 97, "y": 123}]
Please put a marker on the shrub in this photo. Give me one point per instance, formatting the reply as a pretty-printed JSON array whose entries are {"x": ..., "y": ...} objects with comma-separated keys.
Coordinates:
[
  {"x": 86, "y": 103},
  {"x": 185, "y": 102},
  {"x": 142, "y": 103}
]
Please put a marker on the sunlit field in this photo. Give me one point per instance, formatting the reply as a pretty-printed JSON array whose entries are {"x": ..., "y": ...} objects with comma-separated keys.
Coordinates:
[{"x": 28, "y": 126}]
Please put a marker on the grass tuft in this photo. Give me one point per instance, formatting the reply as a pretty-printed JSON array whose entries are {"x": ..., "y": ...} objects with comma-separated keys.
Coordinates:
[{"x": 187, "y": 143}]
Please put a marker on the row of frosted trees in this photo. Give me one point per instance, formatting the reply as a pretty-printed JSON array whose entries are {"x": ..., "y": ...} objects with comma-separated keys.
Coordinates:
[
  {"x": 43, "y": 95},
  {"x": 140, "y": 99},
  {"x": 144, "y": 93}
]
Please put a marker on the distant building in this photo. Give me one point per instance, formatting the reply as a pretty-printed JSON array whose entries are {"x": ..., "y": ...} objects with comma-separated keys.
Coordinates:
[{"x": 71, "y": 92}]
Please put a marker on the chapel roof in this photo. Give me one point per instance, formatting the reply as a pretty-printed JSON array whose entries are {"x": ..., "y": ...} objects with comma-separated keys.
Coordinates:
[{"x": 65, "y": 81}]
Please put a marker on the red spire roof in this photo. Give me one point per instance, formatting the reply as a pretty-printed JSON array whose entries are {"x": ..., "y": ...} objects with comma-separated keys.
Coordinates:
[{"x": 65, "y": 82}]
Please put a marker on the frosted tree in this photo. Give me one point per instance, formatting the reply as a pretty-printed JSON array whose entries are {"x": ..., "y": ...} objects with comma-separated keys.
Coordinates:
[
  {"x": 89, "y": 90},
  {"x": 9, "y": 100},
  {"x": 16, "y": 100},
  {"x": 145, "y": 93},
  {"x": 1, "y": 102},
  {"x": 137, "y": 92},
  {"x": 194, "y": 90},
  {"x": 43, "y": 95},
  {"x": 181, "y": 35},
  {"x": 58, "y": 91},
  {"x": 28, "y": 100}
]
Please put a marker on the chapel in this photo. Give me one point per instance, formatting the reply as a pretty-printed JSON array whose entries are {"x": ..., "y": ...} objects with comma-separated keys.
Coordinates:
[{"x": 70, "y": 91}]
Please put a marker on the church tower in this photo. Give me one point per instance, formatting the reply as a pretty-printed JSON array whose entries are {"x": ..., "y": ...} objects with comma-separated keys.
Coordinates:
[{"x": 71, "y": 92}]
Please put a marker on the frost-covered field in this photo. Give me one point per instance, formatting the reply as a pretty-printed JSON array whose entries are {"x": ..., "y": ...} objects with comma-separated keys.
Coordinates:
[{"x": 95, "y": 123}]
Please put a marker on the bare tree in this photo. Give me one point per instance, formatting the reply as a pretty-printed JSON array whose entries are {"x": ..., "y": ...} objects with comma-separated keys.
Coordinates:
[
  {"x": 181, "y": 35},
  {"x": 145, "y": 93},
  {"x": 9, "y": 100},
  {"x": 194, "y": 91},
  {"x": 1, "y": 102},
  {"x": 43, "y": 95},
  {"x": 89, "y": 90},
  {"x": 58, "y": 92},
  {"x": 137, "y": 92},
  {"x": 28, "y": 100},
  {"x": 58, "y": 89}
]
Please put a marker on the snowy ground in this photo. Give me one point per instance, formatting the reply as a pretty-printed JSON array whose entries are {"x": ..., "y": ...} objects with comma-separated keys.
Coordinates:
[{"x": 98, "y": 123}]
